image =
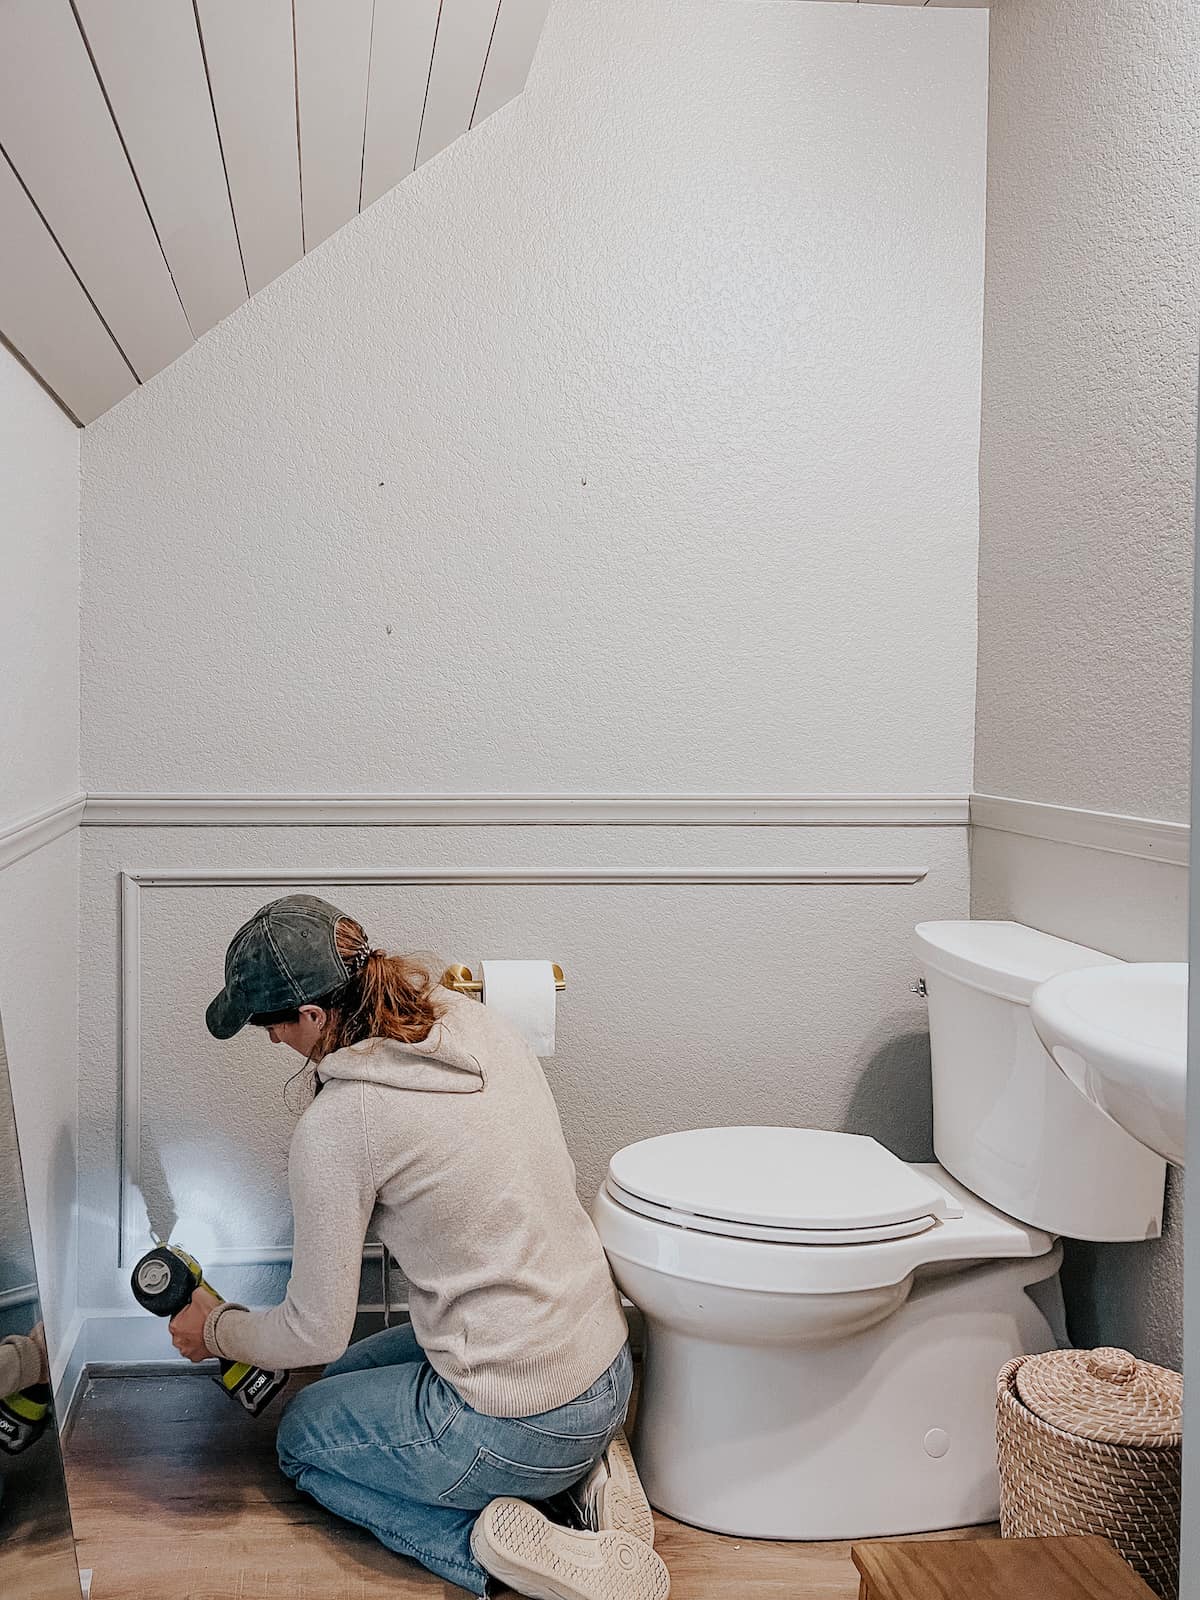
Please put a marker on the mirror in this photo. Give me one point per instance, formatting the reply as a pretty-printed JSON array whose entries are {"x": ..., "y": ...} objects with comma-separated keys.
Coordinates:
[{"x": 37, "y": 1545}]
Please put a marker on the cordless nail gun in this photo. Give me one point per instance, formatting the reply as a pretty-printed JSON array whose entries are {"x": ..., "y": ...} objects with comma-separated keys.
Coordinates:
[
  {"x": 24, "y": 1418},
  {"x": 163, "y": 1283}
]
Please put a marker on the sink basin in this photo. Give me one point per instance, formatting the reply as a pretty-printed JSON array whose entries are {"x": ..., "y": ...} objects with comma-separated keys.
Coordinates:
[{"x": 1120, "y": 1035}]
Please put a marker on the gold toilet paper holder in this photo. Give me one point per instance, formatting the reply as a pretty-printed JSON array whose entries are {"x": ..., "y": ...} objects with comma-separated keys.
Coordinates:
[{"x": 462, "y": 980}]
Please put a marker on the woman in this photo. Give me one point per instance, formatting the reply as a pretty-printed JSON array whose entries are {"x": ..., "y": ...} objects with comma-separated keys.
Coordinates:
[{"x": 432, "y": 1120}]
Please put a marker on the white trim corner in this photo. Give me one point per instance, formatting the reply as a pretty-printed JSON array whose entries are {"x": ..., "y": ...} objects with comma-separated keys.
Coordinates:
[
  {"x": 21, "y": 838},
  {"x": 1144, "y": 837}
]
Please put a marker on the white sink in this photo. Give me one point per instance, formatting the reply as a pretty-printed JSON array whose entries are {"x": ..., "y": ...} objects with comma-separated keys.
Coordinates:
[{"x": 1120, "y": 1034}]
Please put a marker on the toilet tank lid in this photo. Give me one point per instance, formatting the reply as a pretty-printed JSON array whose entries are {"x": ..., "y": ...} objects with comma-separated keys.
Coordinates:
[{"x": 1003, "y": 958}]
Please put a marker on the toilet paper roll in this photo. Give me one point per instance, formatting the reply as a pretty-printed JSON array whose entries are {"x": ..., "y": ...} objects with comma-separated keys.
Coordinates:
[{"x": 523, "y": 991}]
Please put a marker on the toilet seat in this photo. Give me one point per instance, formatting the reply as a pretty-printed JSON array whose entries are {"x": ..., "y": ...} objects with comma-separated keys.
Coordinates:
[
  {"x": 770, "y": 1235},
  {"x": 694, "y": 1257},
  {"x": 800, "y": 1186}
]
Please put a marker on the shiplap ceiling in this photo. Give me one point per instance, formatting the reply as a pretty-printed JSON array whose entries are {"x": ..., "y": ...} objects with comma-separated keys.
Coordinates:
[{"x": 164, "y": 159}]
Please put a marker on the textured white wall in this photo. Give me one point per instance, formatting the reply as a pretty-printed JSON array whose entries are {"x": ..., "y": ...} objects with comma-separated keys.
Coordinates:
[
  {"x": 39, "y": 977},
  {"x": 39, "y": 768},
  {"x": 39, "y": 598},
  {"x": 630, "y": 445},
  {"x": 1089, "y": 404},
  {"x": 1087, "y": 474},
  {"x": 1189, "y": 1587},
  {"x": 685, "y": 1005}
]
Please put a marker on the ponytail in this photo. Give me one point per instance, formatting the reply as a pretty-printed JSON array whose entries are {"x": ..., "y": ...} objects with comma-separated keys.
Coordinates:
[{"x": 387, "y": 996}]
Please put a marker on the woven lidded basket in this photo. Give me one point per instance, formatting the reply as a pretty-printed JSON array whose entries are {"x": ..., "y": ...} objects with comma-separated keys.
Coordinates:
[{"x": 1090, "y": 1441}]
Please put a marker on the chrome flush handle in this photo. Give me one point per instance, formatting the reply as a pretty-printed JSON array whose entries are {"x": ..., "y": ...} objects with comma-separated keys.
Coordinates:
[{"x": 919, "y": 988}]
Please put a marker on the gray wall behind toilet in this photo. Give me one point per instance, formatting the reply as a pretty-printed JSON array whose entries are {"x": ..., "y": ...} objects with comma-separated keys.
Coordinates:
[
  {"x": 1087, "y": 500},
  {"x": 629, "y": 447}
]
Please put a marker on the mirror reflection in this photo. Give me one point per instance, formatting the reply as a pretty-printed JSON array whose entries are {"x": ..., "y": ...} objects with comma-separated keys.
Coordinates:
[{"x": 37, "y": 1547}]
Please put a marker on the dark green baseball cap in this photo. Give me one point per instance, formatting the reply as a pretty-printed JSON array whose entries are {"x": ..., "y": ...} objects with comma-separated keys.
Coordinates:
[{"x": 285, "y": 957}]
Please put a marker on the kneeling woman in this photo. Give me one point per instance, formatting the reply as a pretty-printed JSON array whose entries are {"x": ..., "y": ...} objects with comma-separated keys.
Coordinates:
[{"x": 432, "y": 1119}]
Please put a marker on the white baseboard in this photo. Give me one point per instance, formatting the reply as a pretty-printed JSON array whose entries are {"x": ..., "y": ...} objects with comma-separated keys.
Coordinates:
[
  {"x": 128, "y": 1336},
  {"x": 67, "y": 1363}
]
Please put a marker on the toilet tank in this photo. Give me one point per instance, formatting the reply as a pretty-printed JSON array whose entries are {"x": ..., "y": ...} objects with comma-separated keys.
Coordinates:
[{"x": 1006, "y": 1122}]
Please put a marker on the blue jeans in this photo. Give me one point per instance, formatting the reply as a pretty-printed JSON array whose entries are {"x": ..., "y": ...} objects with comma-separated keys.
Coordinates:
[{"x": 382, "y": 1441}]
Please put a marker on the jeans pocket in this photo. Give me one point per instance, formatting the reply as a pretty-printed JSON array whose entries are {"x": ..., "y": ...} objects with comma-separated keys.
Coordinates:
[
  {"x": 490, "y": 1476},
  {"x": 592, "y": 1416},
  {"x": 584, "y": 1422}
]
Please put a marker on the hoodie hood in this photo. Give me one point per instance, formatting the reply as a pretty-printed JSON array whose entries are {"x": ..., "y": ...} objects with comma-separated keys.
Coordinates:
[{"x": 443, "y": 1063}]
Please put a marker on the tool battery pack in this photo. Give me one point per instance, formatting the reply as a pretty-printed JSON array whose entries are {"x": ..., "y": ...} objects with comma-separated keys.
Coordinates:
[
  {"x": 24, "y": 1417},
  {"x": 163, "y": 1283}
]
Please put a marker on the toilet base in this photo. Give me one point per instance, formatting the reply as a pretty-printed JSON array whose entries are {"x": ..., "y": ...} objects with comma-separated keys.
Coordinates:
[{"x": 885, "y": 1432}]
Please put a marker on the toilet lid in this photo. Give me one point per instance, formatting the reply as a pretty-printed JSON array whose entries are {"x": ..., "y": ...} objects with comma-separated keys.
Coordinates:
[{"x": 798, "y": 1185}]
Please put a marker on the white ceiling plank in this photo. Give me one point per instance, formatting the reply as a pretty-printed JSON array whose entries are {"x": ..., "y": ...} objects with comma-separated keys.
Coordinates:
[
  {"x": 459, "y": 53},
  {"x": 401, "y": 50},
  {"x": 148, "y": 55},
  {"x": 59, "y": 135},
  {"x": 46, "y": 316},
  {"x": 249, "y": 50},
  {"x": 333, "y": 59},
  {"x": 519, "y": 26}
]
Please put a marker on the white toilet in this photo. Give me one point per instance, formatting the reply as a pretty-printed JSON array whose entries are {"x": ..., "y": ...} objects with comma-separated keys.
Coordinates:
[{"x": 825, "y": 1322}]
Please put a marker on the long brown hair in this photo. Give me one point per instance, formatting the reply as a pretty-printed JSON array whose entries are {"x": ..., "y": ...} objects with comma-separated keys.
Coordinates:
[{"x": 386, "y": 997}]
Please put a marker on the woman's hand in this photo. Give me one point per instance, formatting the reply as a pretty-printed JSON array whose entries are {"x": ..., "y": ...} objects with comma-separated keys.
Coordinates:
[{"x": 187, "y": 1327}]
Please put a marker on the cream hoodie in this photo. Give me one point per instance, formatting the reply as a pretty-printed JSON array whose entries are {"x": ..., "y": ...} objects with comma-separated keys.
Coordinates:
[
  {"x": 20, "y": 1364},
  {"x": 452, "y": 1149}
]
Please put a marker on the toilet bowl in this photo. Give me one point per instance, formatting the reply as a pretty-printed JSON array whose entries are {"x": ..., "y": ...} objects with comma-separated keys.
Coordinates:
[{"x": 824, "y": 1322}]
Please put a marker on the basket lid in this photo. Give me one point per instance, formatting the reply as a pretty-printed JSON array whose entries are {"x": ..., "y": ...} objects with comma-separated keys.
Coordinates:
[{"x": 1105, "y": 1395}]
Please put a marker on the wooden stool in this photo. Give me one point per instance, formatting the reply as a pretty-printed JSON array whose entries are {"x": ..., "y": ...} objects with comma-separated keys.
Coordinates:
[{"x": 1081, "y": 1567}]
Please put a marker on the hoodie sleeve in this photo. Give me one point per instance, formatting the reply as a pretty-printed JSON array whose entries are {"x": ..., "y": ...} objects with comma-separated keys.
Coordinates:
[
  {"x": 333, "y": 1191},
  {"x": 20, "y": 1364}
]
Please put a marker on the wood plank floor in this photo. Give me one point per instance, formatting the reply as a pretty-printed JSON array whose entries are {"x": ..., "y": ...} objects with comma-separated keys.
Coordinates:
[{"x": 175, "y": 1493}]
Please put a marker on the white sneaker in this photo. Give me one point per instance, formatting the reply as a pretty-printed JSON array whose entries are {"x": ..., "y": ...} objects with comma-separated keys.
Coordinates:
[
  {"x": 520, "y": 1547},
  {"x": 611, "y": 1496}
]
